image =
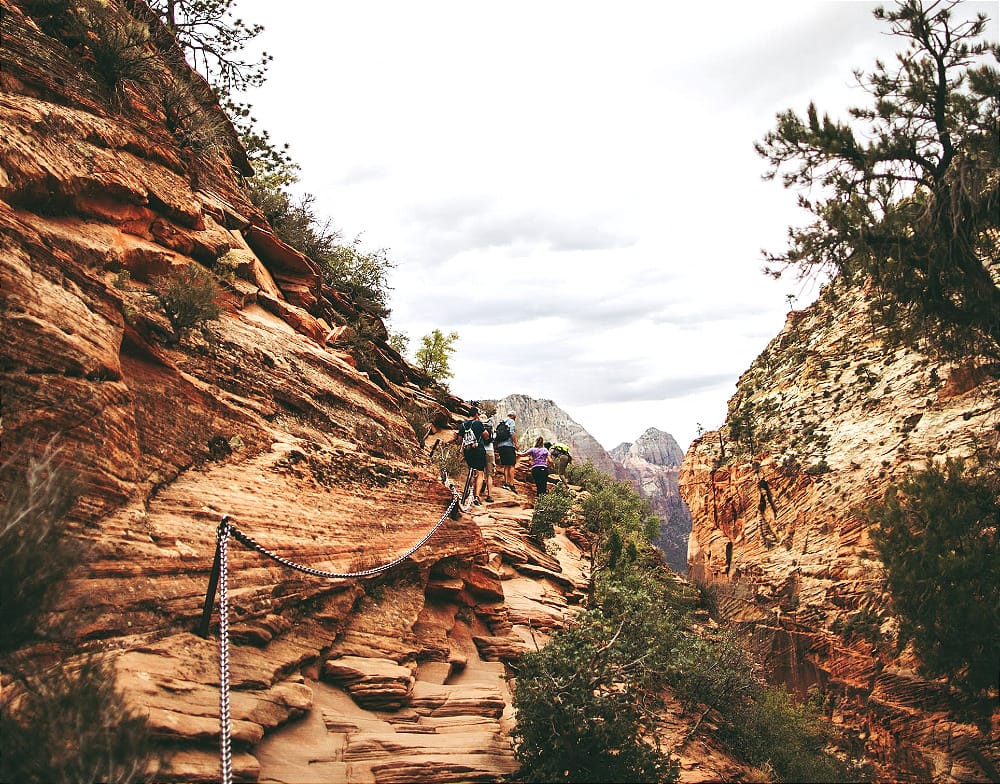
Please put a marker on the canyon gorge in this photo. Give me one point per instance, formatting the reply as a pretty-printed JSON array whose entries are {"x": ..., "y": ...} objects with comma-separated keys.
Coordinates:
[{"x": 319, "y": 441}]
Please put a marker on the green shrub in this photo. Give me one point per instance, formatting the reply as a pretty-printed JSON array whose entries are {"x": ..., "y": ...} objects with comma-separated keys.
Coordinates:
[
  {"x": 771, "y": 731},
  {"x": 582, "y": 702},
  {"x": 937, "y": 533},
  {"x": 70, "y": 724},
  {"x": 587, "y": 476},
  {"x": 119, "y": 44},
  {"x": 551, "y": 509},
  {"x": 589, "y": 701},
  {"x": 34, "y": 553},
  {"x": 188, "y": 295},
  {"x": 195, "y": 128},
  {"x": 714, "y": 672},
  {"x": 362, "y": 275},
  {"x": 617, "y": 506}
]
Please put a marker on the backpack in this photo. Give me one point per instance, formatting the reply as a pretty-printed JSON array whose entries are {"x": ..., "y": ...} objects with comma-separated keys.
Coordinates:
[
  {"x": 487, "y": 434},
  {"x": 469, "y": 440},
  {"x": 503, "y": 432}
]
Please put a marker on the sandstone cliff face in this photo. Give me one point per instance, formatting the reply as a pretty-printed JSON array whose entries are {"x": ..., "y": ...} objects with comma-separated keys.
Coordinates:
[
  {"x": 837, "y": 418},
  {"x": 652, "y": 464}
]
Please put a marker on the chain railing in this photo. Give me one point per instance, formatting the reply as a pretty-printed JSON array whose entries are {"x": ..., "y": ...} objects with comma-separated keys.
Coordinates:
[{"x": 219, "y": 582}]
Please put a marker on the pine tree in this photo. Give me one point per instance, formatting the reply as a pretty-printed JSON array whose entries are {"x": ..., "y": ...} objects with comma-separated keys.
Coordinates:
[
  {"x": 936, "y": 533},
  {"x": 912, "y": 196}
]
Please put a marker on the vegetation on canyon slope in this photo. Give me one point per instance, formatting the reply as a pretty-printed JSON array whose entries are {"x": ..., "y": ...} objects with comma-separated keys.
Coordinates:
[
  {"x": 937, "y": 534},
  {"x": 590, "y": 702},
  {"x": 60, "y": 721}
]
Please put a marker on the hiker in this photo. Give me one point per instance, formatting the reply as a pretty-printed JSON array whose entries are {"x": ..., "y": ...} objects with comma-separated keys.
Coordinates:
[
  {"x": 506, "y": 449},
  {"x": 540, "y": 462},
  {"x": 470, "y": 434},
  {"x": 561, "y": 458},
  {"x": 491, "y": 466}
]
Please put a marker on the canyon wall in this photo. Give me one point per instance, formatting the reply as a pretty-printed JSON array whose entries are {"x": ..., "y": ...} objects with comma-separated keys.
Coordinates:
[{"x": 833, "y": 417}]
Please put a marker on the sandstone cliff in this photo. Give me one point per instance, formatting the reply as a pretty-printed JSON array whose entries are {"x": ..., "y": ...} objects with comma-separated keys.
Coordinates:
[
  {"x": 652, "y": 464},
  {"x": 835, "y": 417},
  {"x": 259, "y": 414}
]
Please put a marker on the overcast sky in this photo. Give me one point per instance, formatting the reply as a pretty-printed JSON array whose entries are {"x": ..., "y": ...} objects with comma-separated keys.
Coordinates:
[{"x": 569, "y": 185}]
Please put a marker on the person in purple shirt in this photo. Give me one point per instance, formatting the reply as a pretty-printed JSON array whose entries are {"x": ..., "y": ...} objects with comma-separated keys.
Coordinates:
[{"x": 540, "y": 464}]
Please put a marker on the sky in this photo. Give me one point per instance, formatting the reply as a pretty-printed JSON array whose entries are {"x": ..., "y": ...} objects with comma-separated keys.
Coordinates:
[{"x": 569, "y": 185}]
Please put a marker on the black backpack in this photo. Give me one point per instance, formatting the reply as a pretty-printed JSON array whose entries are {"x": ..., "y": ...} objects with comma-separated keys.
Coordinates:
[{"x": 503, "y": 432}]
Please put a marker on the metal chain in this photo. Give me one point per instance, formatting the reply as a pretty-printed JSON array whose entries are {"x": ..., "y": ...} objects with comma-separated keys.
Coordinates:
[
  {"x": 250, "y": 542},
  {"x": 226, "y": 528}
]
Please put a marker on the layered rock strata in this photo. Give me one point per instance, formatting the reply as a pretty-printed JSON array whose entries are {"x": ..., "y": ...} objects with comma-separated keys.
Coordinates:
[{"x": 828, "y": 417}]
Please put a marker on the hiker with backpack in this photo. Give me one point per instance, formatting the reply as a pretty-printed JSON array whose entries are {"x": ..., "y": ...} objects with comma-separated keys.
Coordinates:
[
  {"x": 561, "y": 458},
  {"x": 506, "y": 449},
  {"x": 470, "y": 433},
  {"x": 490, "y": 469}
]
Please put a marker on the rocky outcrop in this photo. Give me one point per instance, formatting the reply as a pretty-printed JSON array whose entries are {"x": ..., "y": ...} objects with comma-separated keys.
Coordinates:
[
  {"x": 652, "y": 464},
  {"x": 826, "y": 418}
]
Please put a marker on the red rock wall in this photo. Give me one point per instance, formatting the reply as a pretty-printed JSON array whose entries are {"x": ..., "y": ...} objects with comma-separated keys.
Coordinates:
[
  {"x": 317, "y": 461},
  {"x": 776, "y": 533}
]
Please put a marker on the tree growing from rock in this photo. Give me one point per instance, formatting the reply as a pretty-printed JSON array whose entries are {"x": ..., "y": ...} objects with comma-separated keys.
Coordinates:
[
  {"x": 215, "y": 40},
  {"x": 434, "y": 355},
  {"x": 910, "y": 196},
  {"x": 937, "y": 534}
]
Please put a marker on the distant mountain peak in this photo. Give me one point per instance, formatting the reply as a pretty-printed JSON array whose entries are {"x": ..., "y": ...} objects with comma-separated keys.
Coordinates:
[{"x": 655, "y": 446}]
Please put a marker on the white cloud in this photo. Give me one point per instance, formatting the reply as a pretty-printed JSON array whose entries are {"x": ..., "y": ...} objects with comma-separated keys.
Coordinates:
[{"x": 571, "y": 186}]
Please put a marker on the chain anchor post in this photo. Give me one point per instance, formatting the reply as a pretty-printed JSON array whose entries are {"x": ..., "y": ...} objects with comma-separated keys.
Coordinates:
[{"x": 213, "y": 578}]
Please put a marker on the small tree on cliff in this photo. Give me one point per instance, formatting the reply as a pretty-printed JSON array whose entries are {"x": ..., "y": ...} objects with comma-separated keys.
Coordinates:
[
  {"x": 937, "y": 534},
  {"x": 912, "y": 200},
  {"x": 434, "y": 355},
  {"x": 215, "y": 41}
]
